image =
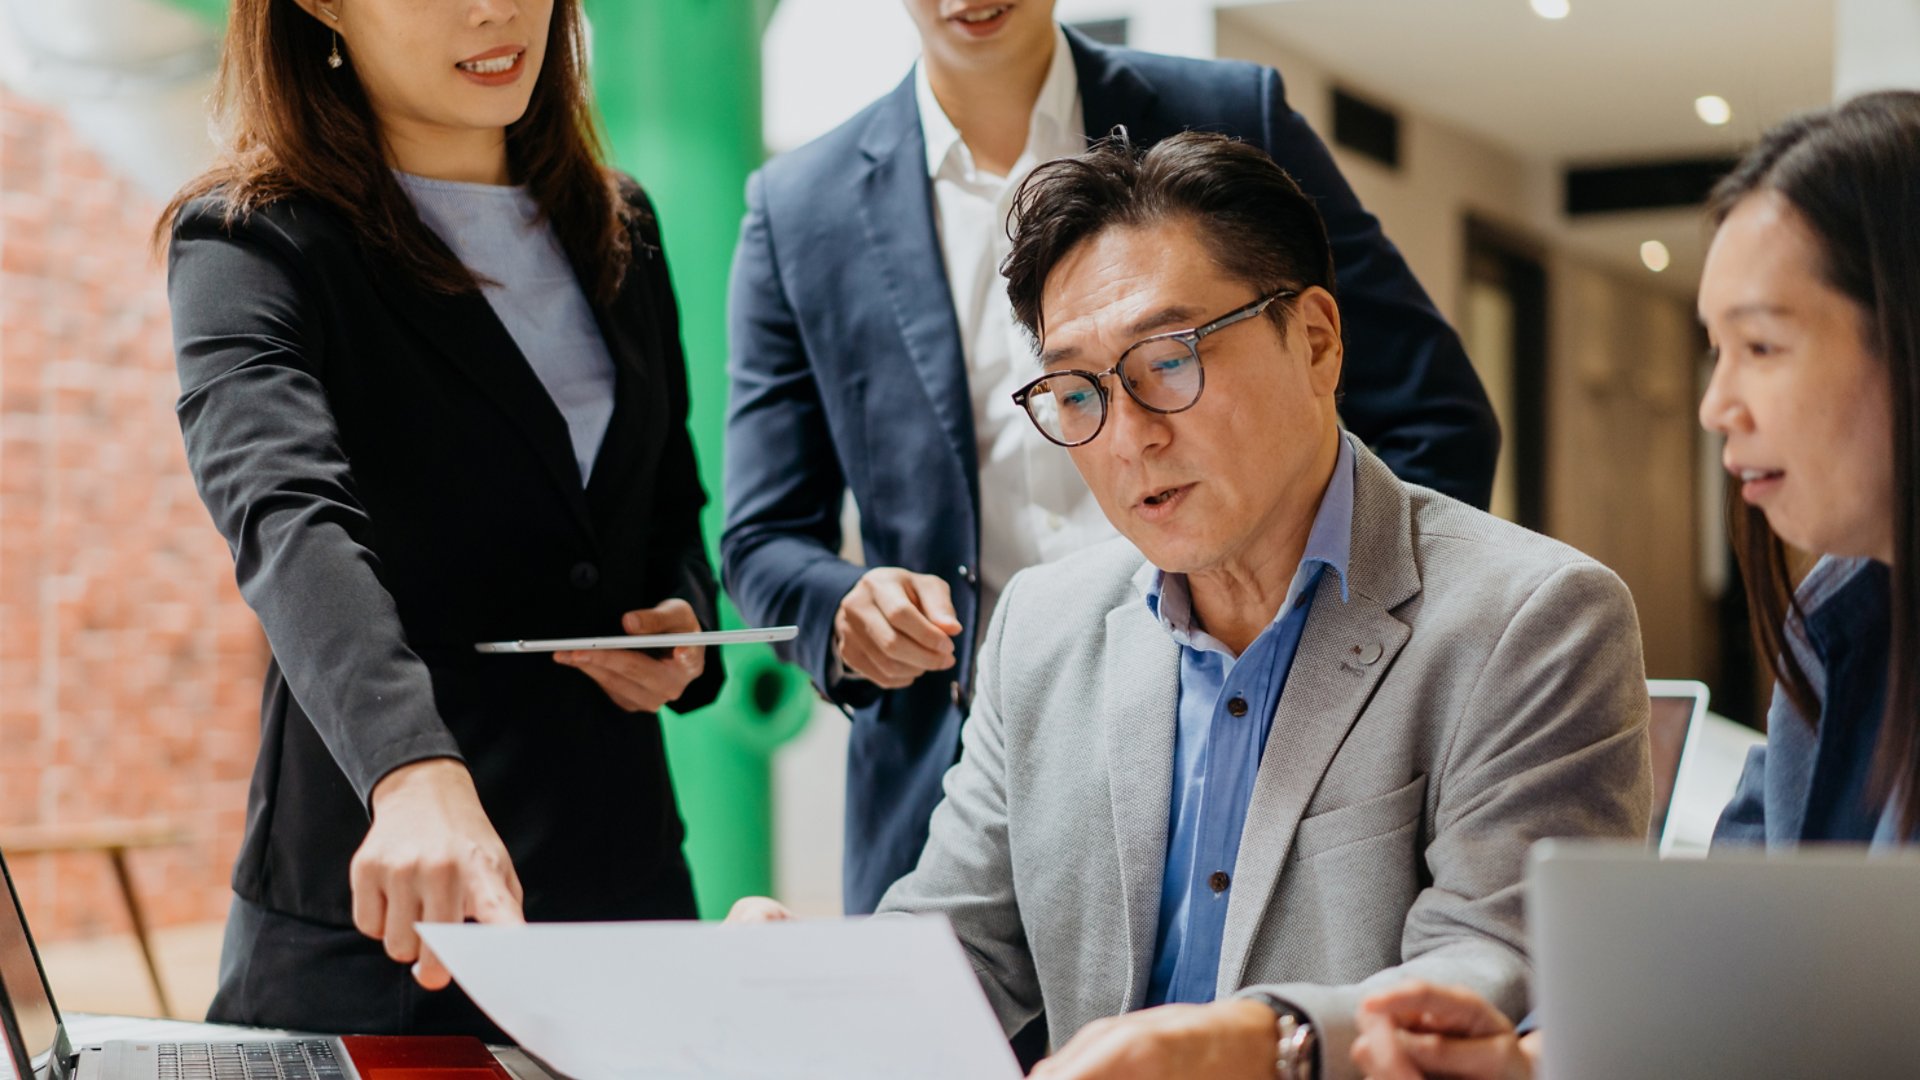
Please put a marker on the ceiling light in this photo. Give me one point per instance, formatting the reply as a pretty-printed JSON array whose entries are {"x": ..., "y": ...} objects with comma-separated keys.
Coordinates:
[
  {"x": 1552, "y": 9},
  {"x": 1655, "y": 255},
  {"x": 1713, "y": 109}
]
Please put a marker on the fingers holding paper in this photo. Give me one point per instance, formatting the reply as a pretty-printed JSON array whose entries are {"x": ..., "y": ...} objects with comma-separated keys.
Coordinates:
[
  {"x": 634, "y": 680},
  {"x": 431, "y": 855}
]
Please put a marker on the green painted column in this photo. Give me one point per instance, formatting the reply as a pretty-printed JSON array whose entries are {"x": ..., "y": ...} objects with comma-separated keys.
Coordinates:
[{"x": 678, "y": 85}]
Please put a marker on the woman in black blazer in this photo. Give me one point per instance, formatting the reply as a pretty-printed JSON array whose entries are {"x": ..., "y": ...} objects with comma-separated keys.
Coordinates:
[{"x": 412, "y": 310}]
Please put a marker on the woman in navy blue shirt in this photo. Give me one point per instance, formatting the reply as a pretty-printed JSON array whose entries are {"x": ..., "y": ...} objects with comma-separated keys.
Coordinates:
[{"x": 1811, "y": 298}]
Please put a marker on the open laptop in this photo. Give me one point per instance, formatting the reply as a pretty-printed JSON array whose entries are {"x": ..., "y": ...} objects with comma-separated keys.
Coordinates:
[
  {"x": 1697, "y": 760},
  {"x": 1801, "y": 964},
  {"x": 38, "y": 1046}
]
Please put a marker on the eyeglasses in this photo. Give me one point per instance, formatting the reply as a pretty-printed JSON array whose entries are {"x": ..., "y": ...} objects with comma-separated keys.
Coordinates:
[{"x": 1162, "y": 373}]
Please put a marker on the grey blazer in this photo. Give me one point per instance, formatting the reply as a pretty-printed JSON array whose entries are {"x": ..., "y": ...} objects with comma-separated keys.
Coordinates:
[{"x": 1482, "y": 689}]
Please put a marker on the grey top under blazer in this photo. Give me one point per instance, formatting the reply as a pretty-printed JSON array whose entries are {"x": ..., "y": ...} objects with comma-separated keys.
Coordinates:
[{"x": 1482, "y": 689}]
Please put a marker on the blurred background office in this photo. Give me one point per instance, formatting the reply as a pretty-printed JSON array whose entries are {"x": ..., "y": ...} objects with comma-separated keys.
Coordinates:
[{"x": 1540, "y": 162}]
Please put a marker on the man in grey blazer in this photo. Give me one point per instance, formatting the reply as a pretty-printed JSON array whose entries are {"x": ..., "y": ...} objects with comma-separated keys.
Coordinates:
[{"x": 1299, "y": 749}]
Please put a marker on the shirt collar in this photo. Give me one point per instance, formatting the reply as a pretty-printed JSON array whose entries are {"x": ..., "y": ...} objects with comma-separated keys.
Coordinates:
[
  {"x": 1056, "y": 110},
  {"x": 1329, "y": 543}
]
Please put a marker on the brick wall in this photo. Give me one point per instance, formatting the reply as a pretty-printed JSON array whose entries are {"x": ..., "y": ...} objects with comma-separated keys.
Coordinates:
[{"x": 129, "y": 668}]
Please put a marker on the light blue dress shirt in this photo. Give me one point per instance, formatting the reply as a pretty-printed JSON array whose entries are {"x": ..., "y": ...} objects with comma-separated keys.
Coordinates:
[
  {"x": 500, "y": 234},
  {"x": 1226, "y": 707}
]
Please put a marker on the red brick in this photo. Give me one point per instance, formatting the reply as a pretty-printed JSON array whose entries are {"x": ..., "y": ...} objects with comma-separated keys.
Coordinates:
[{"x": 129, "y": 668}]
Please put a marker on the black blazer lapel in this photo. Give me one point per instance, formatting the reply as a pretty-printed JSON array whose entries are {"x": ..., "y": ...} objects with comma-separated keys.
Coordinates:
[
  {"x": 464, "y": 328},
  {"x": 896, "y": 209},
  {"x": 631, "y": 329}
]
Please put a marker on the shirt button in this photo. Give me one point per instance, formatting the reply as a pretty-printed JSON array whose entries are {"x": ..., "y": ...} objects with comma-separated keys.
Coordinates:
[
  {"x": 1055, "y": 522},
  {"x": 1236, "y": 706},
  {"x": 584, "y": 576},
  {"x": 1219, "y": 881}
]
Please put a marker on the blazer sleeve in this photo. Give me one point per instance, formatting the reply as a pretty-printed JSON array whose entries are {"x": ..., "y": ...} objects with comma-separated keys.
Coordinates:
[
  {"x": 966, "y": 870},
  {"x": 265, "y": 455},
  {"x": 780, "y": 548},
  {"x": 1744, "y": 820},
  {"x": 1552, "y": 743},
  {"x": 676, "y": 543},
  {"x": 1409, "y": 390}
]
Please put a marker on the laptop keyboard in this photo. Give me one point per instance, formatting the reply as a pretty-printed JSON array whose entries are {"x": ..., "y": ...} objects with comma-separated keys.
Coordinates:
[{"x": 279, "y": 1059}]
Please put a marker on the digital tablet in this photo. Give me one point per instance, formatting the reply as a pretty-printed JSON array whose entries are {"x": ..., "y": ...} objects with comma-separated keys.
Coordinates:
[{"x": 643, "y": 641}]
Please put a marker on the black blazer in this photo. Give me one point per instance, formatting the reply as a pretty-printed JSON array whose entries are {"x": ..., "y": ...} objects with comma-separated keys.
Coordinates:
[{"x": 396, "y": 484}]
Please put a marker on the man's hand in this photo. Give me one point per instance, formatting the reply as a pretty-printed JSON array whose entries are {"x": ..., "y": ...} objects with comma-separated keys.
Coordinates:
[
  {"x": 894, "y": 626},
  {"x": 758, "y": 909},
  {"x": 431, "y": 856},
  {"x": 1417, "y": 1030},
  {"x": 635, "y": 681},
  {"x": 1227, "y": 1040}
]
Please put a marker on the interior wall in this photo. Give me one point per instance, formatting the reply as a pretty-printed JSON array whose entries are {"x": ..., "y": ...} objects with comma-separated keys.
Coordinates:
[{"x": 1622, "y": 450}]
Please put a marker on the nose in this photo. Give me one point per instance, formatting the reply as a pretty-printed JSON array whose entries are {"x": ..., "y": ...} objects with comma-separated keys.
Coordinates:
[
  {"x": 487, "y": 12},
  {"x": 1721, "y": 409},
  {"x": 1133, "y": 430}
]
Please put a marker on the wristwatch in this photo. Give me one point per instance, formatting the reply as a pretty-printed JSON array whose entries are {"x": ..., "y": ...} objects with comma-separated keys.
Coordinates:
[
  {"x": 1298, "y": 1054},
  {"x": 1297, "y": 1047}
]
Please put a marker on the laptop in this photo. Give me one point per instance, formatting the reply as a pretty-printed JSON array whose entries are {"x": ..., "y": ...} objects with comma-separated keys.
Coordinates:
[
  {"x": 1801, "y": 964},
  {"x": 1677, "y": 706},
  {"x": 38, "y": 1046},
  {"x": 1697, "y": 760}
]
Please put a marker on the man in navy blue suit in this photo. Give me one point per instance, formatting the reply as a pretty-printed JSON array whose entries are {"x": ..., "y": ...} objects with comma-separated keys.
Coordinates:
[{"x": 873, "y": 350}]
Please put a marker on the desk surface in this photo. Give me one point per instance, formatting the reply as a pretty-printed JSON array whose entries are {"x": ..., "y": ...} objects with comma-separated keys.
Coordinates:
[{"x": 85, "y": 1029}]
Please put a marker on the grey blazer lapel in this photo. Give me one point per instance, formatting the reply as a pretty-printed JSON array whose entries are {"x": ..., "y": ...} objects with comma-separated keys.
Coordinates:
[
  {"x": 1137, "y": 701},
  {"x": 1346, "y": 649}
]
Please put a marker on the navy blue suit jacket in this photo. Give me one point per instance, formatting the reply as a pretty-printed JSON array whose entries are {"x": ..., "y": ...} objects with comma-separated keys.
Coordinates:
[
  {"x": 1813, "y": 782},
  {"x": 848, "y": 373}
]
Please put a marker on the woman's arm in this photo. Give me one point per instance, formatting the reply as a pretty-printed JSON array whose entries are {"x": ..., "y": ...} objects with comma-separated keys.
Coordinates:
[{"x": 266, "y": 456}]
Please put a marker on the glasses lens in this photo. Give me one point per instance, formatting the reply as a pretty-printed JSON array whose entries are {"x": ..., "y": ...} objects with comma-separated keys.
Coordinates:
[
  {"x": 1163, "y": 374},
  {"x": 1066, "y": 408}
]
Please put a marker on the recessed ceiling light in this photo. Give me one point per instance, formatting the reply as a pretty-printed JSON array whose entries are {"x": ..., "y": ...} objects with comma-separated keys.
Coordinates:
[
  {"x": 1655, "y": 255},
  {"x": 1713, "y": 109},
  {"x": 1552, "y": 9}
]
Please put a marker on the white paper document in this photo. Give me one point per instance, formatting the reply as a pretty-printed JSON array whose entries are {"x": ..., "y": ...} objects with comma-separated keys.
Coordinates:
[{"x": 855, "y": 999}]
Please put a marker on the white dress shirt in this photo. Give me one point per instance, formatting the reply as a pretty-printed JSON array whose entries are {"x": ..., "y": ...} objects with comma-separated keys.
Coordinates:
[{"x": 1033, "y": 505}]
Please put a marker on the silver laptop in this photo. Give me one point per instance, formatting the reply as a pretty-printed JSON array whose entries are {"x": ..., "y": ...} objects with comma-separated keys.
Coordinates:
[
  {"x": 38, "y": 1048},
  {"x": 1739, "y": 966}
]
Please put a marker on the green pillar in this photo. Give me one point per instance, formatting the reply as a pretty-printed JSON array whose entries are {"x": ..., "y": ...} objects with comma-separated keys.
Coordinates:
[{"x": 678, "y": 86}]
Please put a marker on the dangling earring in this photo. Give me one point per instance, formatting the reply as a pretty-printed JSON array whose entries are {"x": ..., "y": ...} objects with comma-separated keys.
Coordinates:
[{"x": 334, "y": 59}]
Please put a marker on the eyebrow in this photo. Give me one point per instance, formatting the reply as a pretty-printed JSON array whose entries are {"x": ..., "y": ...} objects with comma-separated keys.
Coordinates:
[
  {"x": 1748, "y": 311},
  {"x": 1166, "y": 316},
  {"x": 1177, "y": 315}
]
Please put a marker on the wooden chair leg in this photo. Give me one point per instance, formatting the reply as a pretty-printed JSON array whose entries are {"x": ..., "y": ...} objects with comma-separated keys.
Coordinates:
[{"x": 118, "y": 855}]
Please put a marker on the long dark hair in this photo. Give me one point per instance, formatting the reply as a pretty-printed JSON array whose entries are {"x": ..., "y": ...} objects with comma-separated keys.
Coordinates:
[
  {"x": 1852, "y": 172},
  {"x": 290, "y": 125}
]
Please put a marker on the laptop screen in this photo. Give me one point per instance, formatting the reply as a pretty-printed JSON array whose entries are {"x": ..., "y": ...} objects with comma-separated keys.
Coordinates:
[
  {"x": 1672, "y": 717},
  {"x": 33, "y": 1033}
]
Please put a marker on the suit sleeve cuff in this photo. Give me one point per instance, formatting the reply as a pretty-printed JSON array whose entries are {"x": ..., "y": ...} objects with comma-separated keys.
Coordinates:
[{"x": 426, "y": 746}]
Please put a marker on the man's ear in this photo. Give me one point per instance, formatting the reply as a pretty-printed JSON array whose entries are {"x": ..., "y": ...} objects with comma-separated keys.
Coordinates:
[{"x": 1319, "y": 316}]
